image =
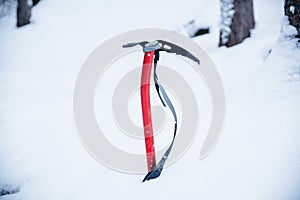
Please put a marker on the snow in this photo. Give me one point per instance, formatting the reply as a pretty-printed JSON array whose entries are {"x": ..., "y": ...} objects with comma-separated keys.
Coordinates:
[
  {"x": 258, "y": 156},
  {"x": 292, "y": 9},
  {"x": 227, "y": 12},
  {"x": 287, "y": 29},
  {"x": 6, "y": 7},
  {"x": 191, "y": 28}
]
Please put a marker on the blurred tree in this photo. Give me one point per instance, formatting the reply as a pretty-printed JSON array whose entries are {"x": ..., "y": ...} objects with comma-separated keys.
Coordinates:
[
  {"x": 7, "y": 6},
  {"x": 23, "y": 13},
  {"x": 292, "y": 10},
  {"x": 237, "y": 19},
  {"x": 34, "y": 2}
]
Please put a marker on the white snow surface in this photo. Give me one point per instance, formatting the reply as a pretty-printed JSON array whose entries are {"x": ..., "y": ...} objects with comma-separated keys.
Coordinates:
[{"x": 257, "y": 157}]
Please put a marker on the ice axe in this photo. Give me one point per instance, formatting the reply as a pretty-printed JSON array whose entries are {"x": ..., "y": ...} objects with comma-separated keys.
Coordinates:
[{"x": 151, "y": 56}]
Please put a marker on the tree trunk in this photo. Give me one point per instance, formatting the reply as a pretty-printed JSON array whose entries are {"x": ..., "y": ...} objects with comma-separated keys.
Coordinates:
[
  {"x": 238, "y": 19},
  {"x": 292, "y": 10},
  {"x": 23, "y": 13},
  {"x": 34, "y": 2}
]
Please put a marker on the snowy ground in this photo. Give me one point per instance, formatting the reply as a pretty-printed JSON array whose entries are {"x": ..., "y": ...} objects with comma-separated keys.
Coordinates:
[{"x": 258, "y": 156}]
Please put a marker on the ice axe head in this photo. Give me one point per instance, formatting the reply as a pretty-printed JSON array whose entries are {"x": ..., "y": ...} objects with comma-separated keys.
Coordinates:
[{"x": 161, "y": 45}]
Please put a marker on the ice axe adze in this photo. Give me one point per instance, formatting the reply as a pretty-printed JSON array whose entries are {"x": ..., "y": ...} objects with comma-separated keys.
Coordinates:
[{"x": 151, "y": 55}]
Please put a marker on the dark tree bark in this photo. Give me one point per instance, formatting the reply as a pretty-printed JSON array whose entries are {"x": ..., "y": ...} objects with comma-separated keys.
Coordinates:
[
  {"x": 242, "y": 21},
  {"x": 34, "y": 2},
  {"x": 292, "y": 10},
  {"x": 23, "y": 13}
]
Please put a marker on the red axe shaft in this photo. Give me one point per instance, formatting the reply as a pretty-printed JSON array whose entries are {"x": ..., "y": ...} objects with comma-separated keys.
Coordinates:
[{"x": 146, "y": 109}]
